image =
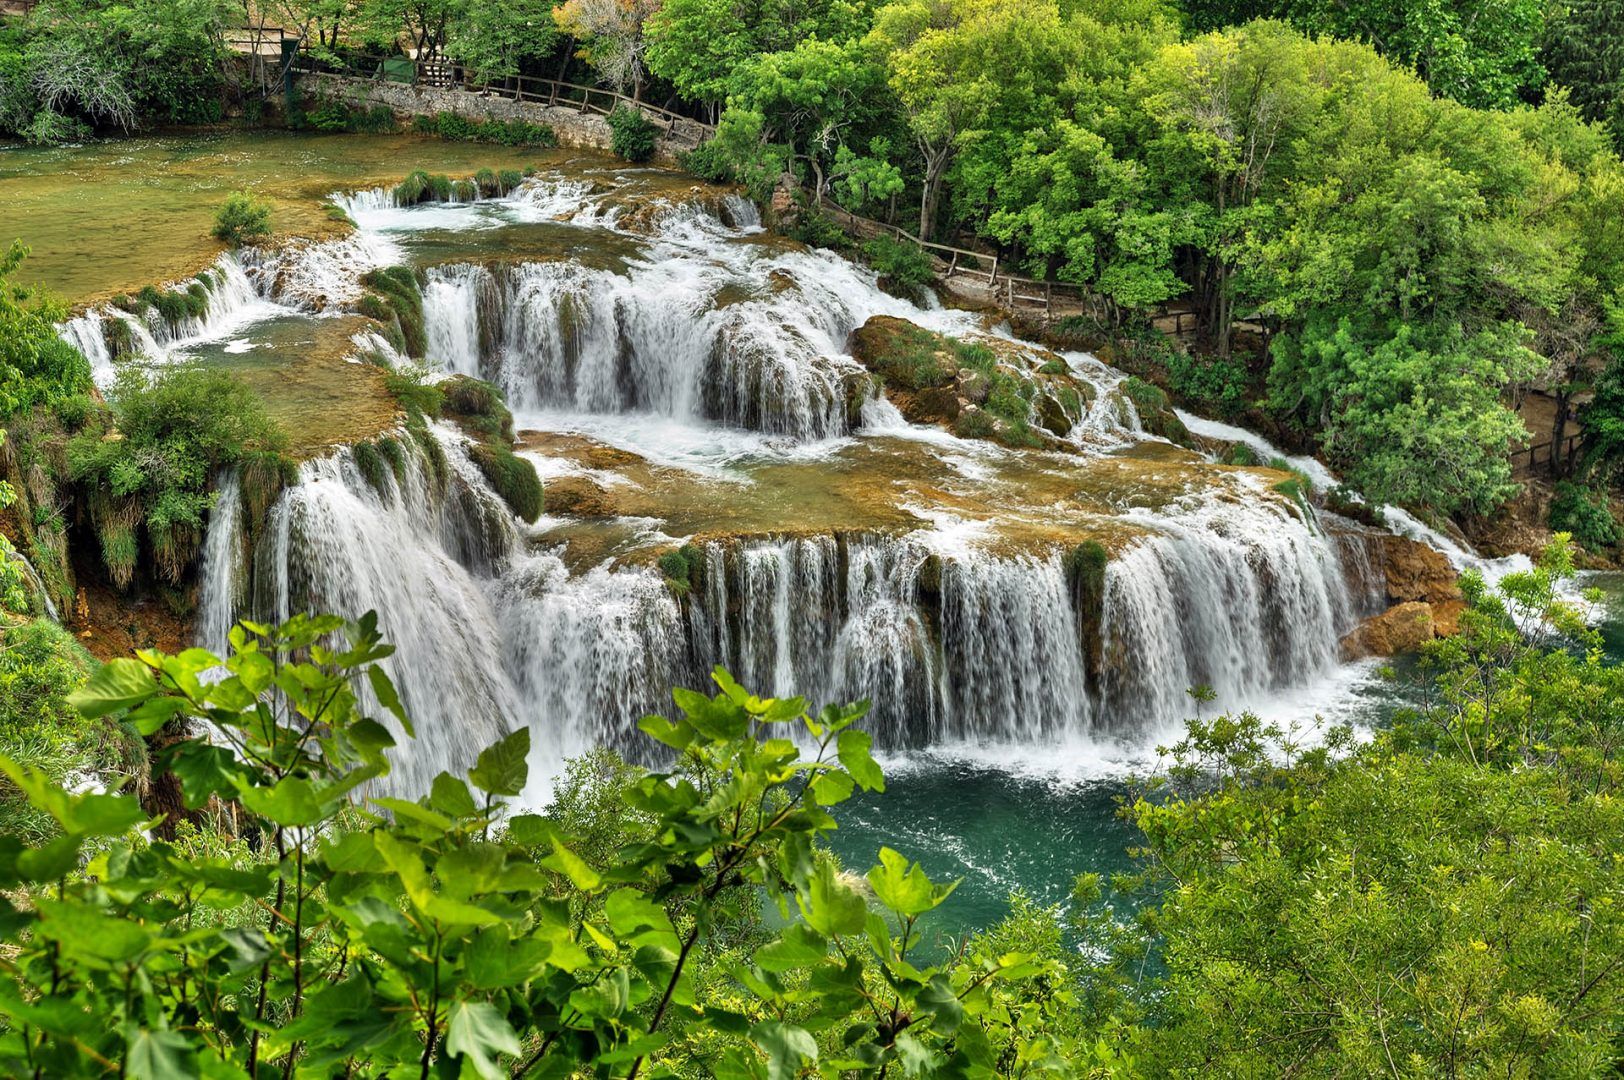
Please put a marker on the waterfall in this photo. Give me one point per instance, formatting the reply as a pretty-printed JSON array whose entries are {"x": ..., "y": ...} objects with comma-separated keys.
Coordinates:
[
  {"x": 686, "y": 315},
  {"x": 222, "y": 578},
  {"x": 1013, "y": 650},
  {"x": 557, "y": 335},
  {"x": 589, "y": 654},
  {"x": 1243, "y": 598},
  {"x": 337, "y": 543}
]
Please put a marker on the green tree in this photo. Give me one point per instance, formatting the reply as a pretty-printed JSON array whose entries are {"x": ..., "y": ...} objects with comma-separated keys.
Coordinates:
[
  {"x": 379, "y": 936},
  {"x": 1435, "y": 902},
  {"x": 37, "y": 367}
]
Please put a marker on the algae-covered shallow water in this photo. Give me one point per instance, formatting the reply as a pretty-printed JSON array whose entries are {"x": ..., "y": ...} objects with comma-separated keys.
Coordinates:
[{"x": 110, "y": 217}]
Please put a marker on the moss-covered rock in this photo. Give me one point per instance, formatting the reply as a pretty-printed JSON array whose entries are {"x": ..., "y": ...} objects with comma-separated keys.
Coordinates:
[
  {"x": 512, "y": 477},
  {"x": 395, "y": 300},
  {"x": 985, "y": 388},
  {"x": 1155, "y": 411}
]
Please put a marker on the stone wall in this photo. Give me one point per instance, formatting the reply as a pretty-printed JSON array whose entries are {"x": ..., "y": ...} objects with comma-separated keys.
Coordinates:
[{"x": 574, "y": 128}]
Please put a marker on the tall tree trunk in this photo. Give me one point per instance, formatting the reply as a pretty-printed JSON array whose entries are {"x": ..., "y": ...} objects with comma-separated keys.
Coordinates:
[{"x": 1559, "y": 429}]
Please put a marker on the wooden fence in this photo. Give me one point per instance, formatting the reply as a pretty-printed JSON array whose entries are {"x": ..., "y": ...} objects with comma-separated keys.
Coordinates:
[
  {"x": 1558, "y": 461},
  {"x": 448, "y": 75}
]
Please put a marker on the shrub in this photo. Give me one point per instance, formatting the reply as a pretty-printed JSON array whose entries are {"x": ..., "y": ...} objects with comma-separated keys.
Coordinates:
[
  {"x": 242, "y": 219},
  {"x": 680, "y": 567},
  {"x": 814, "y": 228},
  {"x": 1584, "y": 512},
  {"x": 633, "y": 135},
  {"x": 37, "y": 367},
  {"x": 899, "y": 262},
  {"x": 1238, "y": 453},
  {"x": 149, "y": 461},
  {"x": 411, "y": 387},
  {"x": 1212, "y": 384},
  {"x": 343, "y": 893},
  {"x": 709, "y": 161}
]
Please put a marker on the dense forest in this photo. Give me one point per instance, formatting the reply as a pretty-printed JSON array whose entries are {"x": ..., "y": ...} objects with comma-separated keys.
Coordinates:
[{"x": 1392, "y": 221}]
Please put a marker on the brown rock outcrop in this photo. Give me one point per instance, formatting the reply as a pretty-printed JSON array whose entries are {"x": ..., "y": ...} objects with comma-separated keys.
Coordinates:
[
  {"x": 578, "y": 496},
  {"x": 1415, "y": 571},
  {"x": 1401, "y": 628}
]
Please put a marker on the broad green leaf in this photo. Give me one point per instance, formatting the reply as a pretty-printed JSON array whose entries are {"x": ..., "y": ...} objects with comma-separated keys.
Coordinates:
[
  {"x": 799, "y": 947},
  {"x": 853, "y": 749},
  {"x": 117, "y": 684},
  {"x": 572, "y": 866},
  {"x": 905, "y": 888},
  {"x": 787, "y": 1047},
  {"x": 450, "y": 795},
  {"x": 292, "y": 801},
  {"x": 830, "y": 906},
  {"x": 502, "y": 769},
  {"x": 480, "y": 1034},
  {"x": 157, "y": 1055}
]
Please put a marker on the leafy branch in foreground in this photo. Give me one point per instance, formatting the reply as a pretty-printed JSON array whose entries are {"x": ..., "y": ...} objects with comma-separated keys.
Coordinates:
[{"x": 358, "y": 934}]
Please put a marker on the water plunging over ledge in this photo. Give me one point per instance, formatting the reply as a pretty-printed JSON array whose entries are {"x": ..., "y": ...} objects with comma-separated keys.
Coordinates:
[{"x": 691, "y": 374}]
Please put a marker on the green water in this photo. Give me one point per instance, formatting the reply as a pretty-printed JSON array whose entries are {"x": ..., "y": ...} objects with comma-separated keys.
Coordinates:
[
  {"x": 113, "y": 216},
  {"x": 998, "y": 832}
]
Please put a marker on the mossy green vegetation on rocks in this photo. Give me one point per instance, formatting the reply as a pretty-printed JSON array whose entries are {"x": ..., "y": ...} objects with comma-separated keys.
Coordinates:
[
  {"x": 511, "y": 476},
  {"x": 394, "y": 298},
  {"x": 982, "y": 388},
  {"x": 1155, "y": 411},
  {"x": 681, "y": 568},
  {"x": 146, "y": 463},
  {"x": 478, "y": 409}
]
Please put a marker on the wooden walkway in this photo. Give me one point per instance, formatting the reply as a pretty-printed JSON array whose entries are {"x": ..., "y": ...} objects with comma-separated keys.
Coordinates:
[{"x": 442, "y": 74}]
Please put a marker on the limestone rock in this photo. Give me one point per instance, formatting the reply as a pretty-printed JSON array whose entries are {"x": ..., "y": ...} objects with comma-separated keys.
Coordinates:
[
  {"x": 578, "y": 496},
  {"x": 1401, "y": 628},
  {"x": 1414, "y": 571}
]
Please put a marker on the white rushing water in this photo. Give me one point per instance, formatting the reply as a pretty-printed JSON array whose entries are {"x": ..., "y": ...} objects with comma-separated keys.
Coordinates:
[{"x": 700, "y": 346}]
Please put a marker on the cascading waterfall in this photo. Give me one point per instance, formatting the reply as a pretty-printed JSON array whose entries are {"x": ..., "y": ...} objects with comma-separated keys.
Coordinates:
[
  {"x": 955, "y": 644},
  {"x": 589, "y": 654},
  {"x": 1242, "y": 598},
  {"x": 223, "y": 569},
  {"x": 555, "y": 335},
  {"x": 336, "y": 543}
]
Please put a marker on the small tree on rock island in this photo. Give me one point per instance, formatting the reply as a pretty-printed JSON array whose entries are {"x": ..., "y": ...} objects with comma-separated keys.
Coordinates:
[{"x": 242, "y": 219}]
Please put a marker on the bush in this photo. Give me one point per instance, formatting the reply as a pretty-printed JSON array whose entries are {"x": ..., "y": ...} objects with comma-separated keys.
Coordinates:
[
  {"x": 40, "y": 665},
  {"x": 633, "y": 134},
  {"x": 680, "y": 567},
  {"x": 814, "y": 228},
  {"x": 709, "y": 161},
  {"x": 149, "y": 461},
  {"x": 335, "y": 904},
  {"x": 37, "y": 367},
  {"x": 242, "y": 219},
  {"x": 1211, "y": 384},
  {"x": 899, "y": 261},
  {"x": 501, "y": 132},
  {"x": 1584, "y": 512}
]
